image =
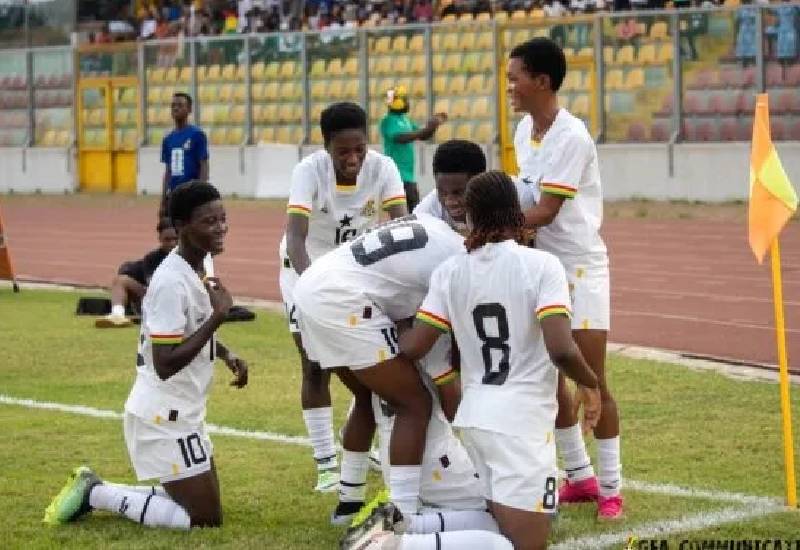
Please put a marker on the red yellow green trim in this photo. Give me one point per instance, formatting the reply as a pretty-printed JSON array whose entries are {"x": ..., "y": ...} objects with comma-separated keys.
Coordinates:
[
  {"x": 346, "y": 187},
  {"x": 298, "y": 209},
  {"x": 393, "y": 201},
  {"x": 559, "y": 189},
  {"x": 166, "y": 338},
  {"x": 445, "y": 378},
  {"x": 433, "y": 320},
  {"x": 555, "y": 309}
]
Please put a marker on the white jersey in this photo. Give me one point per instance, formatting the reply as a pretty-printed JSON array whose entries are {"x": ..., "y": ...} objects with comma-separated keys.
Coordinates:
[
  {"x": 564, "y": 163},
  {"x": 492, "y": 299},
  {"x": 432, "y": 206},
  {"x": 339, "y": 213},
  {"x": 391, "y": 265},
  {"x": 174, "y": 307}
]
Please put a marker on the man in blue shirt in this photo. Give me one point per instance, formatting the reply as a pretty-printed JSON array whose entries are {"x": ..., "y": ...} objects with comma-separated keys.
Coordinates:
[{"x": 184, "y": 150}]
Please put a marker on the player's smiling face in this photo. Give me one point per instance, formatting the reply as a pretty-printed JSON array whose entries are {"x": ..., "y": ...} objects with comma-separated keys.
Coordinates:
[
  {"x": 524, "y": 88},
  {"x": 207, "y": 228},
  {"x": 450, "y": 189},
  {"x": 347, "y": 149}
]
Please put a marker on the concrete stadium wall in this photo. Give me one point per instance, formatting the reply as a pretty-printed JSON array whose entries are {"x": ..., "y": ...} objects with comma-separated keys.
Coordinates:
[
  {"x": 37, "y": 170},
  {"x": 712, "y": 172}
]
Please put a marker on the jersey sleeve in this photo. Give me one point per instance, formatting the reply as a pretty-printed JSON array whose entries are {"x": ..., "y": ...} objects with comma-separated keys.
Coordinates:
[
  {"x": 392, "y": 190},
  {"x": 165, "y": 311},
  {"x": 428, "y": 205},
  {"x": 164, "y": 152},
  {"x": 552, "y": 297},
  {"x": 301, "y": 193},
  {"x": 201, "y": 145},
  {"x": 437, "y": 363},
  {"x": 563, "y": 173},
  {"x": 434, "y": 310}
]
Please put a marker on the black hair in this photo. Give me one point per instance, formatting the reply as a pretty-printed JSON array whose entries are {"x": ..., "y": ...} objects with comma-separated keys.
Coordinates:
[
  {"x": 164, "y": 223},
  {"x": 184, "y": 95},
  {"x": 459, "y": 156},
  {"x": 188, "y": 196},
  {"x": 494, "y": 210},
  {"x": 342, "y": 116},
  {"x": 542, "y": 56}
]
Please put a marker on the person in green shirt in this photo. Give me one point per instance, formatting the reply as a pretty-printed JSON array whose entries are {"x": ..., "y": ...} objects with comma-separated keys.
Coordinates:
[{"x": 399, "y": 132}]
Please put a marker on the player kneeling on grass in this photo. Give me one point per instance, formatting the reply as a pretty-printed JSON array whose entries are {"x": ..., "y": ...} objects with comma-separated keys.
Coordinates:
[
  {"x": 508, "y": 308},
  {"x": 165, "y": 412}
]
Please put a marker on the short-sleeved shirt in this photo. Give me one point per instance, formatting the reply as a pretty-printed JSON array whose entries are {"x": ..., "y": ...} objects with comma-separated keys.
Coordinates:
[
  {"x": 431, "y": 205},
  {"x": 401, "y": 153},
  {"x": 339, "y": 213},
  {"x": 564, "y": 163},
  {"x": 492, "y": 300},
  {"x": 142, "y": 270},
  {"x": 182, "y": 150},
  {"x": 175, "y": 306}
]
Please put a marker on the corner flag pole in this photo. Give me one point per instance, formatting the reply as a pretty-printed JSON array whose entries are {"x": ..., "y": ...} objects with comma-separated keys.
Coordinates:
[{"x": 783, "y": 364}]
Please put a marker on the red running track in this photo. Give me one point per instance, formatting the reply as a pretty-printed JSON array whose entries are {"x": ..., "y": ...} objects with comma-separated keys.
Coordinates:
[{"x": 684, "y": 285}]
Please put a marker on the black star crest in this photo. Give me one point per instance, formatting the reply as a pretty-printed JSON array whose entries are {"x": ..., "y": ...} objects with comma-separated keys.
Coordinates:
[{"x": 345, "y": 221}]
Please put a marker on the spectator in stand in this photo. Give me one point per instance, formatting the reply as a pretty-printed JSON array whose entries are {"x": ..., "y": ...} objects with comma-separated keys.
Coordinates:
[
  {"x": 786, "y": 30},
  {"x": 554, "y": 8},
  {"x": 149, "y": 24},
  {"x": 746, "y": 33},
  {"x": 422, "y": 12},
  {"x": 272, "y": 21},
  {"x": 628, "y": 31}
]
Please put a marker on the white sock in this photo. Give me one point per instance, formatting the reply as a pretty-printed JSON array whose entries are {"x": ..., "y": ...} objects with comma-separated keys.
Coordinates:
[
  {"x": 319, "y": 423},
  {"x": 144, "y": 489},
  {"x": 404, "y": 488},
  {"x": 353, "y": 476},
  {"x": 450, "y": 520},
  {"x": 118, "y": 310},
  {"x": 609, "y": 467},
  {"x": 151, "y": 510},
  {"x": 456, "y": 540},
  {"x": 569, "y": 442}
]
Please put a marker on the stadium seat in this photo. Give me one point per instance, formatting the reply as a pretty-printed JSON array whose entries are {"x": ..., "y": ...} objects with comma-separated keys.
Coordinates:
[
  {"x": 419, "y": 110},
  {"x": 614, "y": 79},
  {"x": 48, "y": 139},
  {"x": 316, "y": 112},
  {"x": 218, "y": 136},
  {"x": 153, "y": 95},
  {"x": 128, "y": 96},
  {"x": 213, "y": 73},
  {"x": 267, "y": 135},
  {"x": 449, "y": 18},
  {"x": 316, "y": 135},
  {"x": 400, "y": 43},
  {"x": 519, "y": 14},
  {"x": 467, "y": 41},
  {"x": 417, "y": 43},
  {"x": 290, "y": 90},
  {"x": 152, "y": 115},
  {"x": 485, "y": 133},
  {"x": 501, "y": 16},
  {"x": 317, "y": 68},
  {"x": 465, "y": 17},
  {"x": 239, "y": 93},
  {"x": 235, "y": 136},
  {"x": 121, "y": 116},
  {"x": 382, "y": 45},
  {"x": 444, "y": 133},
  {"x": 483, "y": 17},
  {"x": 157, "y": 75},
  {"x": 257, "y": 70},
  {"x": 746, "y": 104},
  {"x": 625, "y": 55},
  {"x": 457, "y": 85},
  {"x": 452, "y": 63},
  {"x": 486, "y": 62},
  {"x": 351, "y": 89},
  {"x": 257, "y": 113},
  {"x": 336, "y": 89},
  {"x": 580, "y": 105},
  {"x": 608, "y": 55},
  {"x": 471, "y": 62},
  {"x": 728, "y": 130},
  {"x": 774, "y": 75},
  {"x": 571, "y": 81},
  {"x": 476, "y": 84},
  {"x": 164, "y": 116},
  {"x": 171, "y": 75},
  {"x": 439, "y": 84},
  {"x": 272, "y": 90},
  {"x": 418, "y": 88},
  {"x": 399, "y": 65},
  {"x": 376, "y": 110},
  {"x": 288, "y": 69},
  {"x": 241, "y": 70},
  {"x": 794, "y": 130},
  {"x": 350, "y": 66},
  {"x": 238, "y": 114},
  {"x": 437, "y": 62},
  {"x": 207, "y": 115},
  {"x": 481, "y": 108},
  {"x": 442, "y": 105},
  {"x": 272, "y": 70},
  {"x": 695, "y": 103},
  {"x": 383, "y": 65},
  {"x": 634, "y": 79},
  {"x": 665, "y": 53},
  {"x": 659, "y": 31},
  {"x": 226, "y": 93},
  {"x": 228, "y": 72},
  {"x": 269, "y": 113},
  {"x": 484, "y": 41},
  {"x": 460, "y": 108},
  {"x": 418, "y": 64},
  {"x": 793, "y": 75},
  {"x": 646, "y": 54}
]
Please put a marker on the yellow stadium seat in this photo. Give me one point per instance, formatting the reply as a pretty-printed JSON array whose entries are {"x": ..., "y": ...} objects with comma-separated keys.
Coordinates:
[
  {"x": 417, "y": 43},
  {"x": 465, "y": 17},
  {"x": 270, "y": 113},
  {"x": 419, "y": 110},
  {"x": 258, "y": 113},
  {"x": 335, "y": 67},
  {"x": 290, "y": 90},
  {"x": 284, "y": 135},
  {"x": 484, "y": 133},
  {"x": 571, "y": 81},
  {"x": 164, "y": 115},
  {"x": 384, "y": 85},
  {"x": 437, "y": 62},
  {"x": 373, "y": 88},
  {"x": 239, "y": 93},
  {"x": 213, "y": 73},
  {"x": 484, "y": 40},
  {"x": 238, "y": 114},
  {"x": 501, "y": 16},
  {"x": 569, "y": 53},
  {"x": 457, "y": 85},
  {"x": 121, "y": 116},
  {"x": 130, "y": 138},
  {"x": 444, "y": 133},
  {"x": 464, "y": 131},
  {"x": 450, "y": 42},
  {"x": 235, "y": 136},
  {"x": 374, "y": 134},
  {"x": 449, "y": 18},
  {"x": 659, "y": 31},
  {"x": 586, "y": 80},
  {"x": 471, "y": 62},
  {"x": 316, "y": 135},
  {"x": 585, "y": 52},
  {"x": 519, "y": 14},
  {"x": 207, "y": 93},
  {"x": 152, "y": 115},
  {"x": 665, "y": 53},
  {"x": 350, "y": 66},
  {"x": 49, "y": 138},
  {"x": 267, "y": 135},
  {"x": 218, "y": 136},
  {"x": 383, "y": 65},
  {"x": 185, "y": 75},
  {"x": 240, "y": 72},
  {"x": 288, "y": 69},
  {"x": 580, "y": 105},
  {"x": 400, "y": 43},
  {"x": 351, "y": 89},
  {"x": 442, "y": 105},
  {"x": 480, "y": 108},
  {"x": 452, "y": 62},
  {"x": 614, "y": 79},
  {"x": 336, "y": 89},
  {"x": 647, "y": 54},
  {"x": 272, "y": 89},
  {"x": 171, "y": 75},
  {"x": 475, "y": 84},
  {"x": 207, "y": 115},
  {"x": 634, "y": 79},
  {"x": 257, "y": 92},
  {"x": 226, "y": 93},
  {"x": 537, "y": 13},
  {"x": 487, "y": 62},
  {"x": 153, "y": 95},
  {"x": 316, "y": 112},
  {"x": 376, "y": 110},
  {"x": 400, "y": 64},
  {"x": 608, "y": 55},
  {"x": 317, "y": 68},
  {"x": 155, "y": 136},
  {"x": 97, "y": 117},
  {"x": 257, "y": 70},
  {"x": 272, "y": 70},
  {"x": 228, "y": 72},
  {"x": 418, "y": 87},
  {"x": 319, "y": 89},
  {"x": 128, "y": 96},
  {"x": 166, "y": 94},
  {"x": 382, "y": 45},
  {"x": 460, "y": 108},
  {"x": 466, "y": 41},
  {"x": 202, "y": 70},
  {"x": 157, "y": 76},
  {"x": 418, "y": 64},
  {"x": 625, "y": 55},
  {"x": 439, "y": 84},
  {"x": 483, "y": 17}
]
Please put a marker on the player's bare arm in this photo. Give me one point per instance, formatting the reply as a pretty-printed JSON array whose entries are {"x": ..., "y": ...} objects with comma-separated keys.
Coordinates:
[
  {"x": 423, "y": 133},
  {"x": 397, "y": 211},
  {"x": 418, "y": 341},
  {"x": 169, "y": 359},
  {"x": 567, "y": 357},
  {"x": 203, "y": 170},
  {"x": 450, "y": 395},
  {"x": 237, "y": 365},
  {"x": 544, "y": 212},
  {"x": 296, "y": 233}
]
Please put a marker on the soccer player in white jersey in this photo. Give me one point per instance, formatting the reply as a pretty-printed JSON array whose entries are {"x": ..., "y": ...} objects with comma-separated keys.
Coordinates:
[
  {"x": 560, "y": 191},
  {"x": 348, "y": 304},
  {"x": 454, "y": 163},
  {"x": 507, "y": 306},
  {"x": 336, "y": 194},
  {"x": 165, "y": 412}
]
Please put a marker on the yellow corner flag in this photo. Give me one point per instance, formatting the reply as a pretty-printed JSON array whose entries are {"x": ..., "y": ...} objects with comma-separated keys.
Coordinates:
[{"x": 772, "y": 198}]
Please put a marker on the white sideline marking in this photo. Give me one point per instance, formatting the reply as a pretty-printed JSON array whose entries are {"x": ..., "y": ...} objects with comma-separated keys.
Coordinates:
[
  {"x": 757, "y": 506},
  {"x": 103, "y": 413}
]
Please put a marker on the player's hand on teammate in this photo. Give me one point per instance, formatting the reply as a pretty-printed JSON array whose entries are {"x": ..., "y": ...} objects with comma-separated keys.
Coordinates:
[
  {"x": 238, "y": 367},
  {"x": 591, "y": 401},
  {"x": 221, "y": 300}
]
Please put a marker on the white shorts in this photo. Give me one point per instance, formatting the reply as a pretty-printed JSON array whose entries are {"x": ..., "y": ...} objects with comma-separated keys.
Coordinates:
[
  {"x": 287, "y": 278},
  {"x": 519, "y": 472},
  {"x": 589, "y": 290},
  {"x": 166, "y": 450},
  {"x": 343, "y": 328}
]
